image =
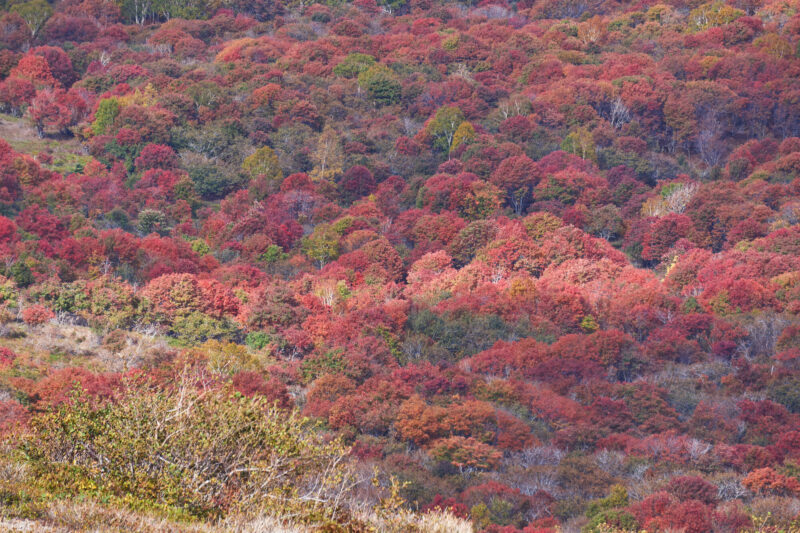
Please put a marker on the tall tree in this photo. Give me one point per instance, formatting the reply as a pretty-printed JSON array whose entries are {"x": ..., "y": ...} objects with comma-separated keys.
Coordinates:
[
  {"x": 328, "y": 158},
  {"x": 35, "y": 13}
]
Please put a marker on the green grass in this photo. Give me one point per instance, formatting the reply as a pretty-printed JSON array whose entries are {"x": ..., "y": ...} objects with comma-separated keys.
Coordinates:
[{"x": 66, "y": 153}]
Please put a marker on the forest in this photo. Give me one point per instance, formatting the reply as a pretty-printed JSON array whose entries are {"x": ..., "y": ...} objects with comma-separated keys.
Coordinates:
[{"x": 404, "y": 266}]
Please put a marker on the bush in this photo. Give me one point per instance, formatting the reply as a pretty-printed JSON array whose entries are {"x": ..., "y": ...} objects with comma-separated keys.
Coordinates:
[
  {"x": 205, "y": 451},
  {"x": 36, "y": 315},
  {"x": 256, "y": 340},
  {"x": 21, "y": 274},
  {"x": 198, "y": 327},
  {"x": 787, "y": 393},
  {"x": 151, "y": 221},
  {"x": 693, "y": 488}
]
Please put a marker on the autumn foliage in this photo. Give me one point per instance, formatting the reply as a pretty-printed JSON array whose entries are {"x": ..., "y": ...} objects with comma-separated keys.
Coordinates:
[{"x": 538, "y": 262}]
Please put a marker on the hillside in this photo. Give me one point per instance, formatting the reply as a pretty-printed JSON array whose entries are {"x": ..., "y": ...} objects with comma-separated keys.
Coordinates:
[{"x": 412, "y": 265}]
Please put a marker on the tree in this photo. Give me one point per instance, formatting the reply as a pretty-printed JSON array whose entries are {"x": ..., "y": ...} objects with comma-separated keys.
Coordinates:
[
  {"x": 213, "y": 182},
  {"x": 47, "y": 113},
  {"x": 36, "y": 315},
  {"x": 419, "y": 422},
  {"x": 156, "y": 156},
  {"x": 15, "y": 93},
  {"x": 464, "y": 134},
  {"x": 443, "y": 127},
  {"x": 381, "y": 253},
  {"x": 663, "y": 234},
  {"x": 264, "y": 170},
  {"x": 358, "y": 181},
  {"x": 691, "y": 516},
  {"x": 517, "y": 176},
  {"x": 35, "y": 69},
  {"x": 174, "y": 295},
  {"x": 151, "y": 221},
  {"x": 381, "y": 85},
  {"x": 353, "y": 65},
  {"x": 253, "y": 383},
  {"x": 465, "y": 453},
  {"x": 608, "y": 511},
  {"x": 107, "y": 111},
  {"x": 261, "y": 10},
  {"x": 693, "y": 488},
  {"x": 322, "y": 245},
  {"x": 35, "y": 13},
  {"x": 328, "y": 158},
  {"x": 21, "y": 274},
  {"x": 712, "y": 14},
  {"x": 470, "y": 240},
  {"x": 138, "y": 11},
  {"x": 8, "y": 230},
  {"x": 59, "y": 63},
  {"x": 767, "y": 480},
  {"x": 580, "y": 143},
  {"x": 481, "y": 201}
]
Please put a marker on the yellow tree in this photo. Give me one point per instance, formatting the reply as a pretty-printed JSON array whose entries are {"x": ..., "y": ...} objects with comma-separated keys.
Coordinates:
[
  {"x": 328, "y": 158},
  {"x": 580, "y": 143},
  {"x": 263, "y": 162},
  {"x": 264, "y": 170},
  {"x": 465, "y": 133}
]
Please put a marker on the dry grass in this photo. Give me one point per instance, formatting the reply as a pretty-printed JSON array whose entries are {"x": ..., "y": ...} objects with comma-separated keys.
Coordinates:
[
  {"x": 63, "y": 344},
  {"x": 67, "y": 516},
  {"x": 72, "y": 341},
  {"x": 41, "y": 514},
  {"x": 406, "y": 522}
]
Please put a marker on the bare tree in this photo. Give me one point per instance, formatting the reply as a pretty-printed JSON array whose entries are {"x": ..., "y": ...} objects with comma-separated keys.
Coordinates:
[{"x": 619, "y": 113}]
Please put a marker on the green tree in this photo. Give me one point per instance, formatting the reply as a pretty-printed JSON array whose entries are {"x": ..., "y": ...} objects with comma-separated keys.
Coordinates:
[
  {"x": 139, "y": 11},
  {"x": 213, "y": 182},
  {"x": 256, "y": 340},
  {"x": 21, "y": 274},
  {"x": 712, "y": 14},
  {"x": 607, "y": 511},
  {"x": 443, "y": 127},
  {"x": 198, "y": 327},
  {"x": 353, "y": 65},
  {"x": 580, "y": 143},
  {"x": 35, "y": 13},
  {"x": 151, "y": 220},
  {"x": 185, "y": 9},
  {"x": 107, "y": 111},
  {"x": 392, "y": 5},
  {"x": 273, "y": 254},
  {"x": 381, "y": 84},
  {"x": 322, "y": 245}
]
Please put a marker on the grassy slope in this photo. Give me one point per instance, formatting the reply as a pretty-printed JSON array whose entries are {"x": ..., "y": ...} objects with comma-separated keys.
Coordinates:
[{"x": 67, "y": 153}]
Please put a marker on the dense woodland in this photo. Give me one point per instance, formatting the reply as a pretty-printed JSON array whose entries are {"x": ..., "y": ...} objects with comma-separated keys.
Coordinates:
[{"x": 394, "y": 266}]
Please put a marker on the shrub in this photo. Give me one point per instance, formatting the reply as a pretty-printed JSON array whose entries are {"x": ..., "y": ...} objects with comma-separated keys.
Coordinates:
[
  {"x": 198, "y": 327},
  {"x": 205, "y": 451},
  {"x": 36, "y": 315},
  {"x": 692, "y": 488},
  {"x": 257, "y": 340}
]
